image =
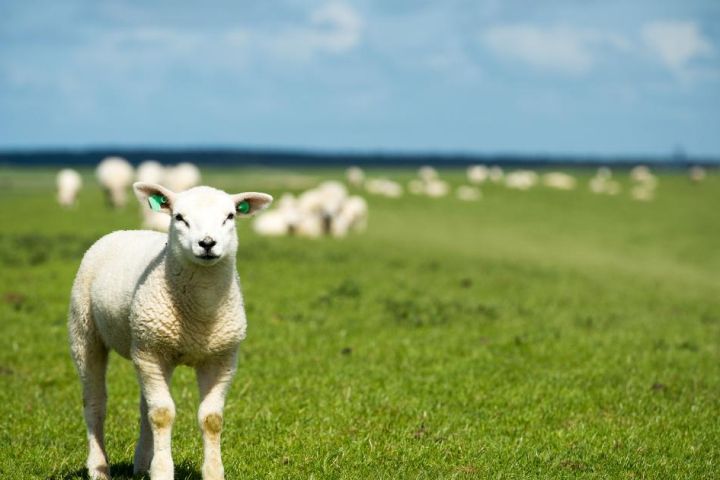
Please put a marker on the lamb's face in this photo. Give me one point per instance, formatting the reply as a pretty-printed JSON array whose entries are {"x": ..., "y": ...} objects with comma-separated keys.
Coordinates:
[{"x": 202, "y": 225}]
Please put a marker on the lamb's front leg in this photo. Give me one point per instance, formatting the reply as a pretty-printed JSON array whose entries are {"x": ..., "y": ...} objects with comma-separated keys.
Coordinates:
[
  {"x": 154, "y": 375},
  {"x": 214, "y": 380}
]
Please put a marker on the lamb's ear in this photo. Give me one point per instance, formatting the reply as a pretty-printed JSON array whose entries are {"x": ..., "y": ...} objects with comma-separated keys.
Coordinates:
[
  {"x": 249, "y": 203},
  {"x": 157, "y": 197}
]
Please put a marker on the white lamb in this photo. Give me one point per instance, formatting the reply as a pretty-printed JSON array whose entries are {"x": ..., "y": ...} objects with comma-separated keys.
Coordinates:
[
  {"x": 69, "y": 183},
  {"x": 352, "y": 217},
  {"x": 559, "y": 181},
  {"x": 182, "y": 177},
  {"x": 161, "y": 301},
  {"x": 150, "y": 171},
  {"x": 115, "y": 175},
  {"x": 521, "y": 179}
]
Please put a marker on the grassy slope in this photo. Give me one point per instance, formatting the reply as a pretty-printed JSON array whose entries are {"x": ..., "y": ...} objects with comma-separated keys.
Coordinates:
[{"x": 537, "y": 334}]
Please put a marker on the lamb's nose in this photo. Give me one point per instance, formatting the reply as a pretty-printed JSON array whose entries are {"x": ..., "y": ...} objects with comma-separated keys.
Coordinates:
[{"x": 207, "y": 243}]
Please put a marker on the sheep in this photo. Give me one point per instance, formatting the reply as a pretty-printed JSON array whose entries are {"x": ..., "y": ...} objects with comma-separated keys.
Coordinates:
[
  {"x": 69, "y": 183},
  {"x": 384, "y": 187},
  {"x": 351, "y": 217},
  {"x": 150, "y": 171},
  {"x": 355, "y": 176},
  {"x": 468, "y": 193},
  {"x": 115, "y": 175},
  {"x": 182, "y": 177},
  {"x": 697, "y": 174},
  {"x": 163, "y": 300},
  {"x": 478, "y": 174},
  {"x": 427, "y": 173},
  {"x": 436, "y": 188},
  {"x": 602, "y": 182},
  {"x": 521, "y": 179},
  {"x": 559, "y": 181},
  {"x": 495, "y": 174}
]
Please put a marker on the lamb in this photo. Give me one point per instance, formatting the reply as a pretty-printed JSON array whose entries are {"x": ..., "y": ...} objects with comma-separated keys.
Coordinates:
[
  {"x": 521, "y": 179},
  {"x": 559, "y": 181},
  {"x": 150, "y": 171},
  {"x": 478, "y": 174},
  {"x": 115, "y": 175},
  {"x": 163, "y": 300},
  {"x": 351, "y": 217},
  {"x": 69, "y": 184}
]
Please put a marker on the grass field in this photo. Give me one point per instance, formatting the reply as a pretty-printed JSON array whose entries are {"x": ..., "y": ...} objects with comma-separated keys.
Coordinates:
[{"x": 537, "y": 334}]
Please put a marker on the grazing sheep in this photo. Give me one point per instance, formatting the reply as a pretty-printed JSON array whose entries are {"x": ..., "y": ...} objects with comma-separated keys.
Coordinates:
[
  {"x": 495, "y": 174},
  {"x": 427, "y": 173},
  {"x": 559, "y": 181},
  {"x": 355, "y": 176},
  {"x": 602, "y": 183},
  {"x": 150, "y": 171},
  {"x": 478, "y": 174},
  {"x": 384, "y": 187},
  {"x": 162, "y": 300},
  {"x": 436, "y": 188},
  {"x": 468, "y": 193},
  {"x": 69, "y": 183},
  {"x": 697, "y": 174},
  {"x": 521, "y": 179},
  {"x": 351, "y": 217},
  {"x": 182, "y": 177},
  {"x": 115, "y": 175}
]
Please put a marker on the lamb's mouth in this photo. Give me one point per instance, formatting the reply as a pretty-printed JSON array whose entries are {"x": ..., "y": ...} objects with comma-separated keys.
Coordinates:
[{"x": 208, "y": 256}]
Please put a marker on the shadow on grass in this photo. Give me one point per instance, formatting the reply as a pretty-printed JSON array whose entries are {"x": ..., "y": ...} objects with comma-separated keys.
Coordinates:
[{"x": 124, "y": 471}]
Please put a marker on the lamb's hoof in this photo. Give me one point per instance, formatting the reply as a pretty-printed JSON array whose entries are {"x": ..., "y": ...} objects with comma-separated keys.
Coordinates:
[{"x": 100, "y": 472}]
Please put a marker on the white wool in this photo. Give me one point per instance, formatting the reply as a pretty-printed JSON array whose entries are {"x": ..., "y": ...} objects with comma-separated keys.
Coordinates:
[
  {"x": 427, "y": 173},
  {"x": 384, "y": 187},
  {"x": 69, "y": 183},
  {"x": 352, "y": 217},
  {"x": 697, "y": 173},
  {"x": 115, "y": 175},
  {"x": 643, "y": 193},
  {"x": 271, "y": 224},
  {"x": 355, "y": 176},
  {"x": 162, "y": 300},
  {"x": 157, "y": 221},
  {"x": 478, "y": 174},
  {"x": 559, "y": 181},
  {"x": 333, "y": 195},
  {"x": 521, "y": 179},
  {"x": 603, "y": 184},
  {"x": 311, "y": 226},
  {"x": 495, "y": 174},
  {"x": 436, "y": 188},
  {"x": 640, "y": 173},
  {"x": 182, "y": 177},
  {"x": 468, "y": 193},
  {"x": 150, "y": 171}
]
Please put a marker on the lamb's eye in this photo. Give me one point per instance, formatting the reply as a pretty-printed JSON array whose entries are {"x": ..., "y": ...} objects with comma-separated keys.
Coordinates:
[{"x": 180, "y": 218}]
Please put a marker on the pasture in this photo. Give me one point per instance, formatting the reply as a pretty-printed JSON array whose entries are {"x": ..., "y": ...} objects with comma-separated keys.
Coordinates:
[{"x": 540, "y": 334}]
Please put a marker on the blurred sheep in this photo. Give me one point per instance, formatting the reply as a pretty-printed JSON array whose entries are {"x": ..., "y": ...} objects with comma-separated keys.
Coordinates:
[
  {"x": 69, "y": 183},
  {"x": 559, "y": 181},
  {"x": 427, "y": 173},
  {"x": 182, "y": 177},
  {"x": 478, "y": 174},
  {"x": 495, "y": 174},
  {"x": 384, "y": 187},
  {"x": 697, "y": 174},
  {"x": 603, "y": 184},
  {"x": 645, "y": 184},
  {"x": 468, "y": 193},
  {"x": 521, "y": 179},
  {"x": 115, "y": 175},
  {"x": 355, "y": 176},
  {"x": 150, "y": 171}
]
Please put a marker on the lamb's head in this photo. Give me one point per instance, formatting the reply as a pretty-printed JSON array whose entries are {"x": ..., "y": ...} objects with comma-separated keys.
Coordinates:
[{"x": 202, "y": 225}]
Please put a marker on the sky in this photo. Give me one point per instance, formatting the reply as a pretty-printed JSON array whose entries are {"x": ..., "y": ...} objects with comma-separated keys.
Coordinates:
[{"x": 610, "y": 77}]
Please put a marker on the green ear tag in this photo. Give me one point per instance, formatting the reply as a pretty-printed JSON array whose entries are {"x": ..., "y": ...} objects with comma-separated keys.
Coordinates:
[
  {"x": 156, "y": 202},
  {"x": 243, "y": 207}
]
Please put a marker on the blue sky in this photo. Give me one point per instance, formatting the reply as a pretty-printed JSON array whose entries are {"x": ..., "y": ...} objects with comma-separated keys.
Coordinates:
[{"x": 556, "y": 76}]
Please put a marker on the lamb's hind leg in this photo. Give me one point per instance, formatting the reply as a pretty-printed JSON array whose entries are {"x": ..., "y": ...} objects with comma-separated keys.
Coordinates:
[
  {"x": 91, "y": 357},
  {"x": 213, "y": 380}
]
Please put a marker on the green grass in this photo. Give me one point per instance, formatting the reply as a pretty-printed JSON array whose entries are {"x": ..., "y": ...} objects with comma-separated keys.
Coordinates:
[{"x": 531, "y": 334}]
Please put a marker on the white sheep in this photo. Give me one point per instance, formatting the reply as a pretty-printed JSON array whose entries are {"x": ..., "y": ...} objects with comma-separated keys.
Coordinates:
[
  {"x": 521, "y": 179},
  {"x": 351, "y": 217},
  {"x": 436, "y": 188},
  {"x": 355, "y": 176},
  {"x": 162, "y": 300},
  {"x": 384, "y": 187},
  {"x": 150, "y": 171},
  {"x": 697, "y": 174},
  {"x": 182, "y": 177},
  {"x": 559, "y": 181},
  {"x": 478, "y": 174},
  {"x": 427, "y": 173},
  {"x": 495, "y": 174},
  {"x": 468, "y": 193},
  {"x": 115, "y": 175},
  {"x": 69, "y": 183}
]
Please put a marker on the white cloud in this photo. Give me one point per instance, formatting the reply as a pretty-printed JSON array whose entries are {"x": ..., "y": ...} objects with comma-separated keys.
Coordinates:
[
  {"x": 676, "y": 43},
  {"x": 563, "y": 49}
]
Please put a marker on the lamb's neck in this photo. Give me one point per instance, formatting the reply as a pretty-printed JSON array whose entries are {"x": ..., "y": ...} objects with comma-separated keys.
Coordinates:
[{"x": 202, "y": 289}]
